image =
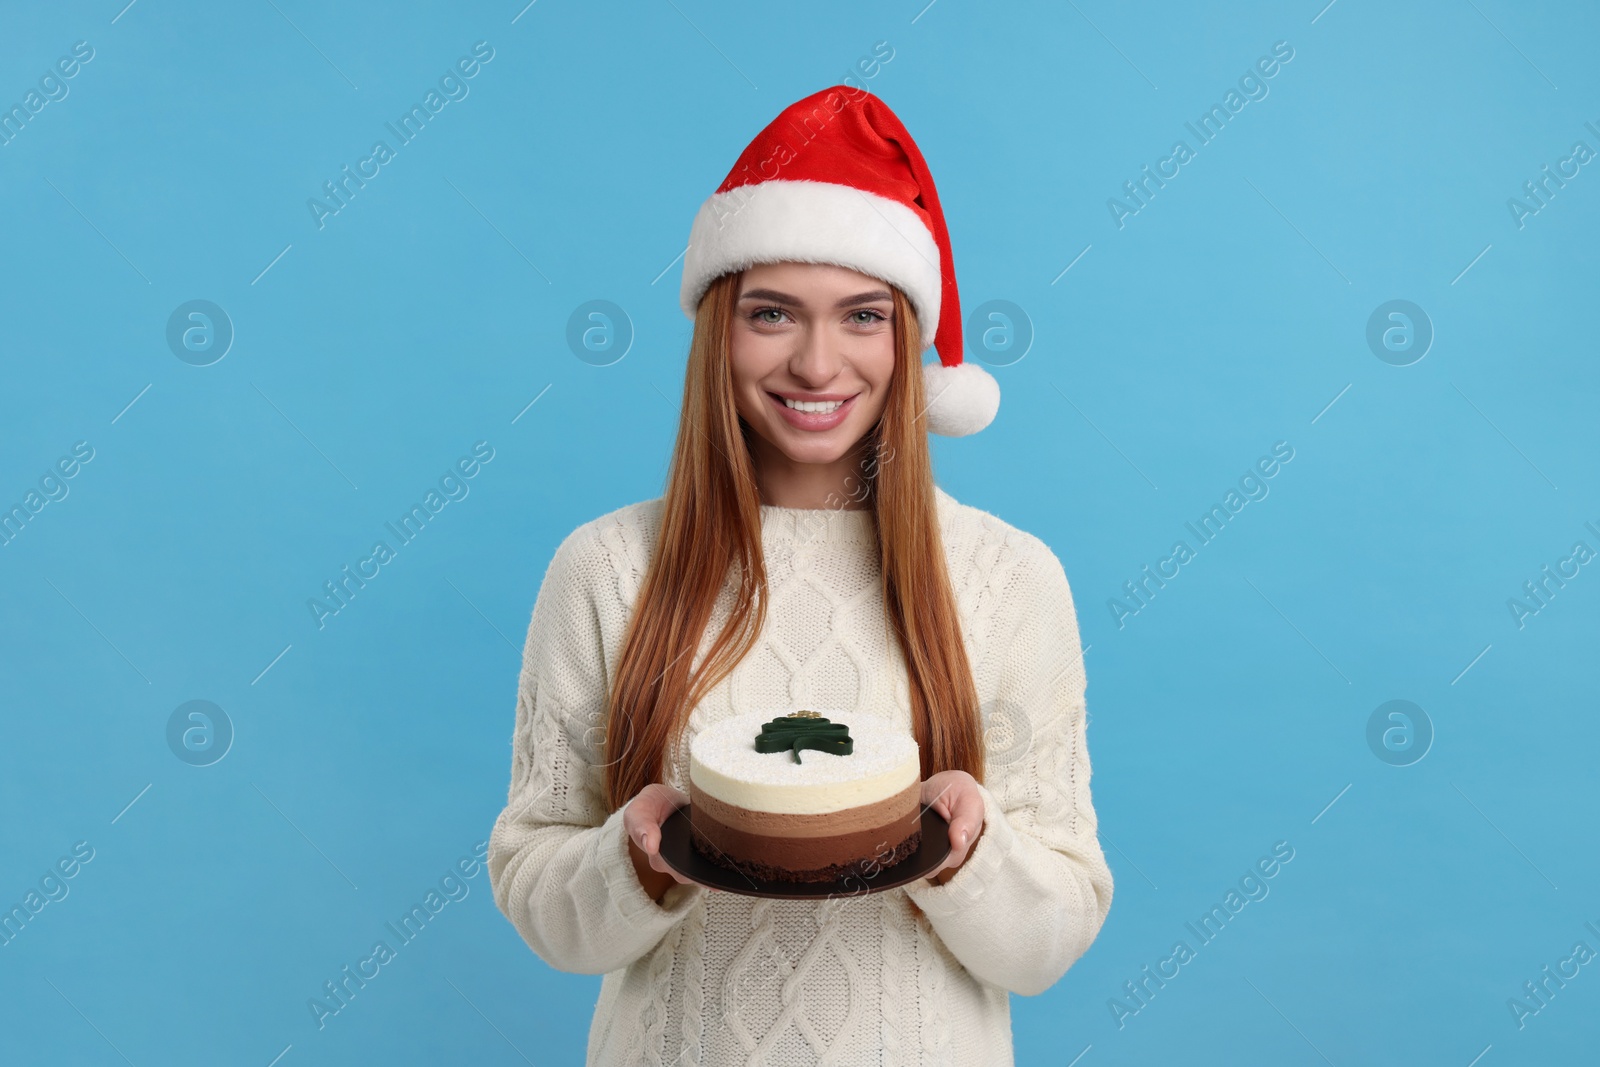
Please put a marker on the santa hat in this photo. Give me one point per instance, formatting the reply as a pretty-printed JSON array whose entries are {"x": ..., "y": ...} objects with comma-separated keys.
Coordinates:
[{"x": 835, "y": 178}]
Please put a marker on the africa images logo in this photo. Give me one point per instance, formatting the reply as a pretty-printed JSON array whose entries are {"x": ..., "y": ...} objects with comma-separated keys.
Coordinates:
[
  {"x": 452, "y": 87},
  {"x": 337, "y": 594},
  {"x": 1139, "y": 192}
]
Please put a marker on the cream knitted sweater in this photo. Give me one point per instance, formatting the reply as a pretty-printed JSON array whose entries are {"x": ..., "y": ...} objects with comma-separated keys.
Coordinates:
[{"x": 913, "y": 975}]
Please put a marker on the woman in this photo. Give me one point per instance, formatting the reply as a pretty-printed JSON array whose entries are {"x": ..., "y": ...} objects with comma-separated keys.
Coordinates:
[{"x": 802, "y": 556}]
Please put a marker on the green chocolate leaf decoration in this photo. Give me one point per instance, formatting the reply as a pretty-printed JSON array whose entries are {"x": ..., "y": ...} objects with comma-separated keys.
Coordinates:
[{"x": 804, "y": 730}]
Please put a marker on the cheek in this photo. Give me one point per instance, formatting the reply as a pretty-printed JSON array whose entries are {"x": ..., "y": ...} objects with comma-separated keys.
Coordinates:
[
  {"x": 751, "y": 359},
  {"x": 751, "y": 356},
  {"x": 740, "y": 367},
  {"x": 875, "y": 363}
]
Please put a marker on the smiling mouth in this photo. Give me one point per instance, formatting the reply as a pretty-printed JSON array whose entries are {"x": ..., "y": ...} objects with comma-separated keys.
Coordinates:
[
  {"x": 816, "y": 416},
  {"x": 811, "y": 407}
]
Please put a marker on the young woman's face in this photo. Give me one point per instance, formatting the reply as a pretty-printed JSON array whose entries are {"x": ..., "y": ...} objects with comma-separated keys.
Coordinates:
[{"x": 817, "y": 334}]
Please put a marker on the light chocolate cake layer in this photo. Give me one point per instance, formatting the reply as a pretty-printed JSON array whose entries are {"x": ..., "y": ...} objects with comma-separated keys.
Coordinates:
[
  {"x": 902, "y": 805},
  {"x": 805, "y": 843}
]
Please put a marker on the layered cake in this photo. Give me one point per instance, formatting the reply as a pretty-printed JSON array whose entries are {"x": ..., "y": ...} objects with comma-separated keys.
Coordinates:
[{"x": 804, "y": 798}]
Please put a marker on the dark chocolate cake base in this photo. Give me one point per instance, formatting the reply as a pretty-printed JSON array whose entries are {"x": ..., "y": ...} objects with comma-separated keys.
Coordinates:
[
  {"x": 863, "y": 868},
  {"x": 680, "y": 853}
]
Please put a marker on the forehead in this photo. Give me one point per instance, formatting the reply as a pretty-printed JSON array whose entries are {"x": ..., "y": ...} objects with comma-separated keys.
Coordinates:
[{"x": 809, "y": 280}]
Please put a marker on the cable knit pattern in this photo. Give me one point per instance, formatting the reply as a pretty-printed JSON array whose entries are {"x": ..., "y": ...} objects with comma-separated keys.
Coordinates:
[
  {"x": 692, "y": 1004},
  {"x": 909, "y": 977},
  {"x": 893, "y": 923},
  {"x": 930, "y": 988},
  {"x": 654, "y": 1021}
]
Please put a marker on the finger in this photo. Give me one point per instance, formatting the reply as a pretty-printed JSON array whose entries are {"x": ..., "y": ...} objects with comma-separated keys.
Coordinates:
[
  {"x": 970, "y": 827},
  {"x": 958, "y": 846}
]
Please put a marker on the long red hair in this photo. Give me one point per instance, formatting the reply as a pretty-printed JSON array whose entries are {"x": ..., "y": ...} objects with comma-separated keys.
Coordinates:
[{"x": 710, "y": 534}]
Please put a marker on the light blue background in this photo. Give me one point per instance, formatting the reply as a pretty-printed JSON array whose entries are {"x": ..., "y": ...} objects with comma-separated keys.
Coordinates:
[{"x": 370, "y": 354}]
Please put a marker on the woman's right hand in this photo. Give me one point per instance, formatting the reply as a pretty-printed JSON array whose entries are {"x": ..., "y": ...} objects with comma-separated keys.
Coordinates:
[{"x": 642, "y": 821}]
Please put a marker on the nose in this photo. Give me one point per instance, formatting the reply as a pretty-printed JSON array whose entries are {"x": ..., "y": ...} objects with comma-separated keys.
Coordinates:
[{"x": 816, "y": 360}]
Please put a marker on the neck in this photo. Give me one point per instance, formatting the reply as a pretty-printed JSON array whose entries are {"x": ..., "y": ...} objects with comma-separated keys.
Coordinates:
[{"x": 842, "y": 484}]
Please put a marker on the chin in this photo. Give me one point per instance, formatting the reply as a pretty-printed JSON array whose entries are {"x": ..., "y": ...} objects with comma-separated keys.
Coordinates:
[
  {"x": 803, "y": 447},
  {"x": 816, "y": 451}
]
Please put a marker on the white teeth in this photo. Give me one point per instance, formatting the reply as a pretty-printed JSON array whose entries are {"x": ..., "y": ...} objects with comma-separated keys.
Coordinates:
[{"x": 818, "y": 406}]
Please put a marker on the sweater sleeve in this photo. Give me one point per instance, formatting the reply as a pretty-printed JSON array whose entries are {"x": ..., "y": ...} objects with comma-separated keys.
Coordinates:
[
  {"x": 1035, "y": 888},
  {"x": 558, "y": 864}
]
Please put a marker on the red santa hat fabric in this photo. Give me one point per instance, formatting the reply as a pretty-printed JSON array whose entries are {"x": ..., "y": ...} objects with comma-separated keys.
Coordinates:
[{"x": 836, "y": 178}]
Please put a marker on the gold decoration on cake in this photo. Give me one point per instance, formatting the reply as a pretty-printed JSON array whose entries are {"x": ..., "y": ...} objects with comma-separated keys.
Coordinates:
[{"x": 804, "y": 729}]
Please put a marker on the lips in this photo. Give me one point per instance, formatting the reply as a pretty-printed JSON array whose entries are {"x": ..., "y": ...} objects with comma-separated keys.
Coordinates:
[{"x": 813, "y": 421}]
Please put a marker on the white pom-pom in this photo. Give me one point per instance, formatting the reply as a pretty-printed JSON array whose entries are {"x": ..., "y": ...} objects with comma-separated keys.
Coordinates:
[{"x": 962, "y": 399}]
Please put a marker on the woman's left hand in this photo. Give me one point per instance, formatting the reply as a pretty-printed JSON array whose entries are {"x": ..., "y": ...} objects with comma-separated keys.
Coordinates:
[{"x": 954, "y": 795}]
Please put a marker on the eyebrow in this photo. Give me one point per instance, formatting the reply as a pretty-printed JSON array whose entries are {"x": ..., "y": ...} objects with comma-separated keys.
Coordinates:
[{"x": 785, "y": 298}]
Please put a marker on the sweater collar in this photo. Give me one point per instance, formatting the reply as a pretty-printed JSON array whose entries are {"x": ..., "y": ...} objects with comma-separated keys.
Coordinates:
[{"x": 831, "y": 525}]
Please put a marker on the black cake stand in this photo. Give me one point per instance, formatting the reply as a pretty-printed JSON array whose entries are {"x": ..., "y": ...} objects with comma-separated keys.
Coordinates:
[{"x": 678, "y": 850}]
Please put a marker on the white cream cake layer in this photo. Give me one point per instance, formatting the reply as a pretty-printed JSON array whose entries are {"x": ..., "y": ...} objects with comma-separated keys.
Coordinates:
[{"x": 724, "y": 763}]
